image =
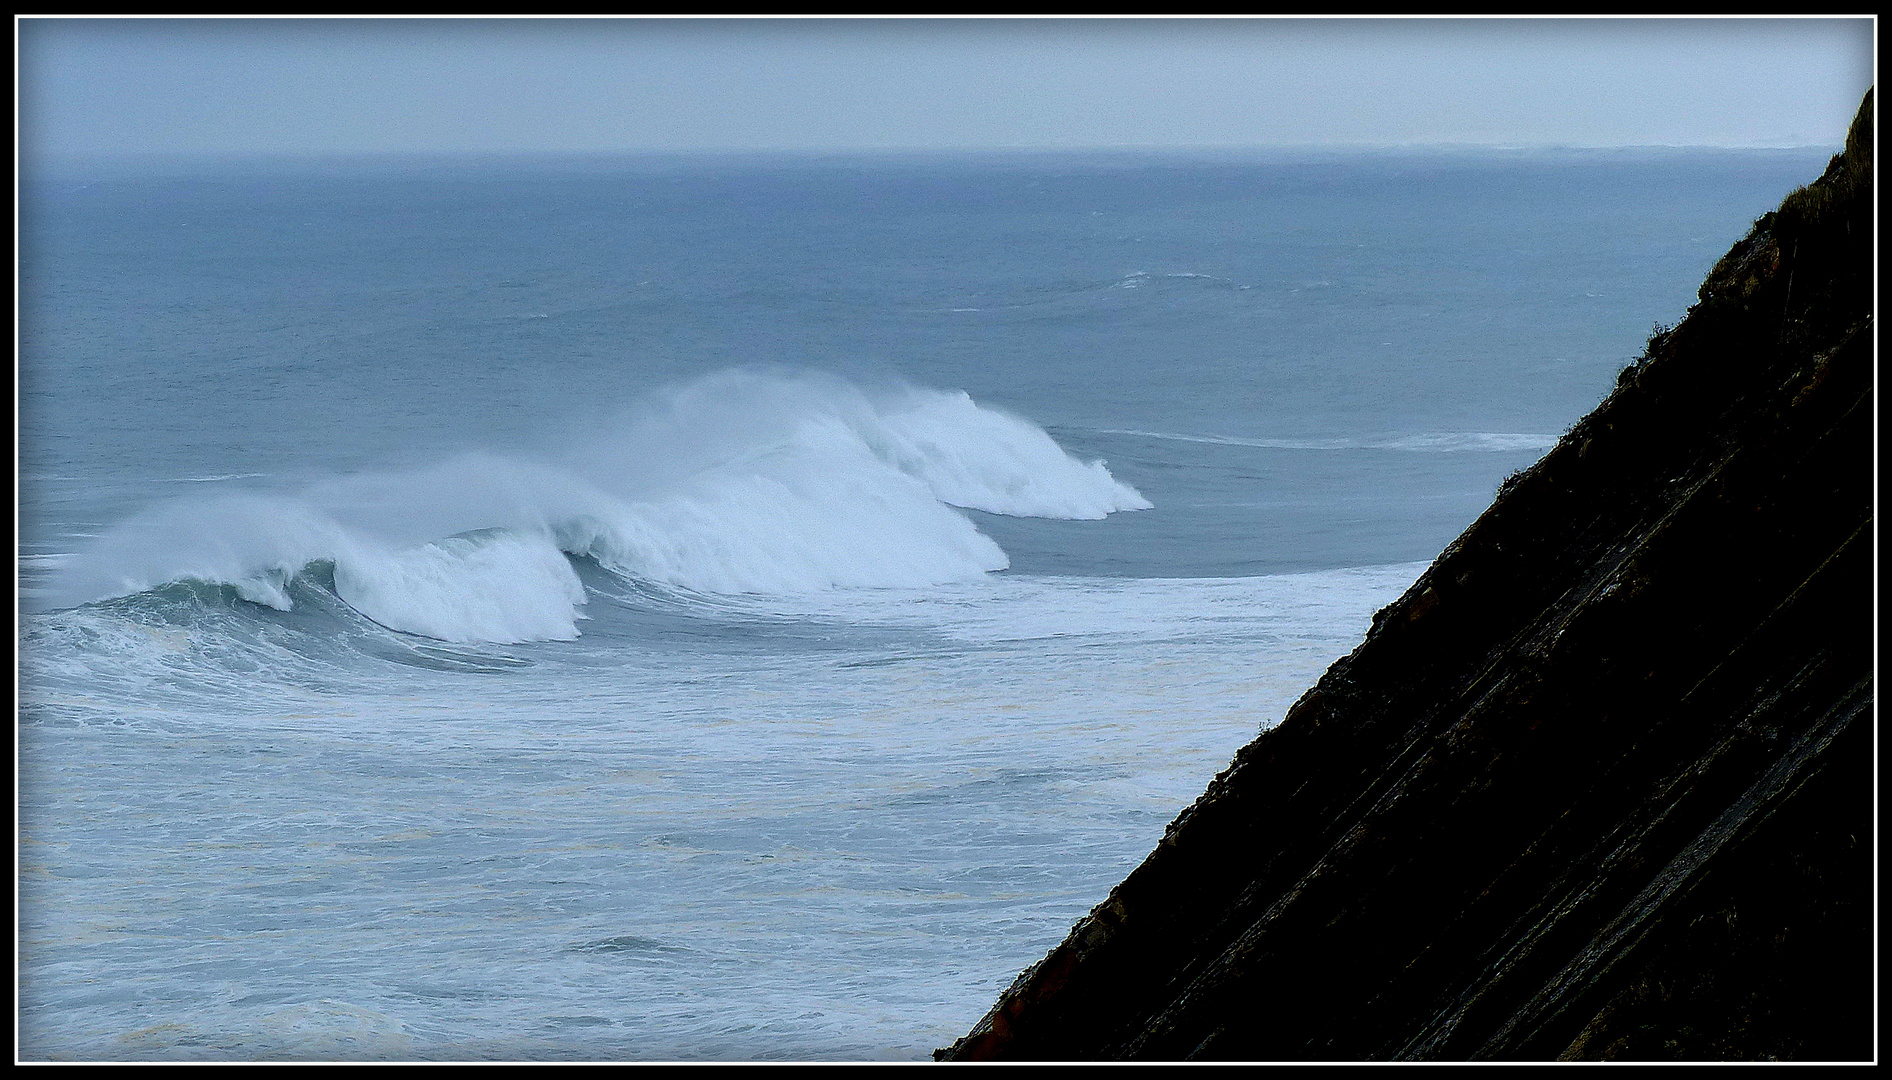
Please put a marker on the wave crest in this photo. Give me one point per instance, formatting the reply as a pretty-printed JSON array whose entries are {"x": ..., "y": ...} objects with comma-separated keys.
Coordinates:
[{"x": 742, "y": 481}]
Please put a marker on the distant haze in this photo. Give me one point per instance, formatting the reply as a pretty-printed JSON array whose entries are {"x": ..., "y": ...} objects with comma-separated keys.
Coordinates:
[{"x": 301, "y": 86}]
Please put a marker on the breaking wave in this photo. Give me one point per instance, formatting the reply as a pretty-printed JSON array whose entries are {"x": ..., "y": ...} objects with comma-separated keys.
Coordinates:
[{"x": 740, "y": 482}]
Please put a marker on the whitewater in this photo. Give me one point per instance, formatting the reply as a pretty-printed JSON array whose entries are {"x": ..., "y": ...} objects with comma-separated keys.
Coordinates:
[
  {"x": 792, "y": 735},
  {"x": 675, "y": 609},
  {"x": 739, "y": 482}
]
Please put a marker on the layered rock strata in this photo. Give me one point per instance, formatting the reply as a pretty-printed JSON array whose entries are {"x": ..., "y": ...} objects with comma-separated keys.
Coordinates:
[{"x": 1600, "y": 784}]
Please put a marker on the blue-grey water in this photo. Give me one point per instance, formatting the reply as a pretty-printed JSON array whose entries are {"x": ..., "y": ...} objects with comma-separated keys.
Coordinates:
[{"x": 633, "y": 608}]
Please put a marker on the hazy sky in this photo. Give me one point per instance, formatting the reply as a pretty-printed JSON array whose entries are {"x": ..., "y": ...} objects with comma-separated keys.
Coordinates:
[{"x": 349, "y": 86}]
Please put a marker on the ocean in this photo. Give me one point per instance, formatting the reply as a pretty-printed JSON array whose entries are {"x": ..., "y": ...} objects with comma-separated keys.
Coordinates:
[{"x": 728, "y": 608}]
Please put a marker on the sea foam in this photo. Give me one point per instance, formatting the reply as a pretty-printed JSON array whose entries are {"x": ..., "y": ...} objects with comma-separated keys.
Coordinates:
[{"x": 739, "y": 482}]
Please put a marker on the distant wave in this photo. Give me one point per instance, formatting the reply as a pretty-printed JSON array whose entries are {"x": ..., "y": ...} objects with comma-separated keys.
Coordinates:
[
  {"x": 1090, "y": 290},
  {"x": 1432, "y": 442},
  {"x": 742, "y": 481},
  {"x": 1138, "y": 278},
  {"x": 50, "y": 558}
]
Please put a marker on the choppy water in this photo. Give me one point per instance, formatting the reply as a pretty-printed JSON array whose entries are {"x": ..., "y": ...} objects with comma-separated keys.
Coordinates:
[{"x": 664, "y": 609}]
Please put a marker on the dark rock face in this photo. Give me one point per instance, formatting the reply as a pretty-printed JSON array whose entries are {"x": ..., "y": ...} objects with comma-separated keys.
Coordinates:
[{"x": 1600, "y": 784}]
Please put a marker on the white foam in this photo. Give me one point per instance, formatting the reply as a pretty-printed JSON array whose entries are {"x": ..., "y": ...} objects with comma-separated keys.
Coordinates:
[
  {"x": 743, "y": 481},
  {"x": 502, "y": 587},
  {"x": 205, "y": 479},
  {"x": 255, "y": 543},
  {"x": 1470, "y": 441},
  {"x": 988, "y": 460},
  {"x": 51, "y": 558}
]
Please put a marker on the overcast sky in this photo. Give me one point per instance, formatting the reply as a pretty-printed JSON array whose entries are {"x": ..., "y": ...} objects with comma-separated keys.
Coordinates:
[{"x": 351, "y": 86}]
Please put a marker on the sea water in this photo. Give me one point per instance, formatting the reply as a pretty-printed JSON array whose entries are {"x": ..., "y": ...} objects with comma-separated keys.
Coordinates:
[{"x": 728, "y": 608}]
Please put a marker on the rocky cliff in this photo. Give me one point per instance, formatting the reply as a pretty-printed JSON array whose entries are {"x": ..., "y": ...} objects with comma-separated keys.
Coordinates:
[{"x": 1600, "y": 784}]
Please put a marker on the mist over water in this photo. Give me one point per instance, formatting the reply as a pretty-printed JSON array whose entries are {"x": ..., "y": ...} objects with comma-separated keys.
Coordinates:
[
  {"x": 592, "y": 610},
  {"x": 739, "y": 482}
]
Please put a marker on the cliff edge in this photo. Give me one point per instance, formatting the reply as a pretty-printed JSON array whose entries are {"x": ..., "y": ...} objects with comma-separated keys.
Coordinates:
[{"x": 1600, "y": 784}]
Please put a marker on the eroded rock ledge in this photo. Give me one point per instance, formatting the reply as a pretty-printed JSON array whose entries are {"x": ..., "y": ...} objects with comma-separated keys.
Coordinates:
[{"x": 1600, "y": 784}]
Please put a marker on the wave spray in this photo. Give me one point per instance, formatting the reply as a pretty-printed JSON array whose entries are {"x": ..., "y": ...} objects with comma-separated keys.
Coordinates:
[{"x": 742, "y": 481}]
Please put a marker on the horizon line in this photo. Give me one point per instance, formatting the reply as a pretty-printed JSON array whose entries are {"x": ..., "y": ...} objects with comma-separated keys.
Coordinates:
[{"x": 24, "y": 159}]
